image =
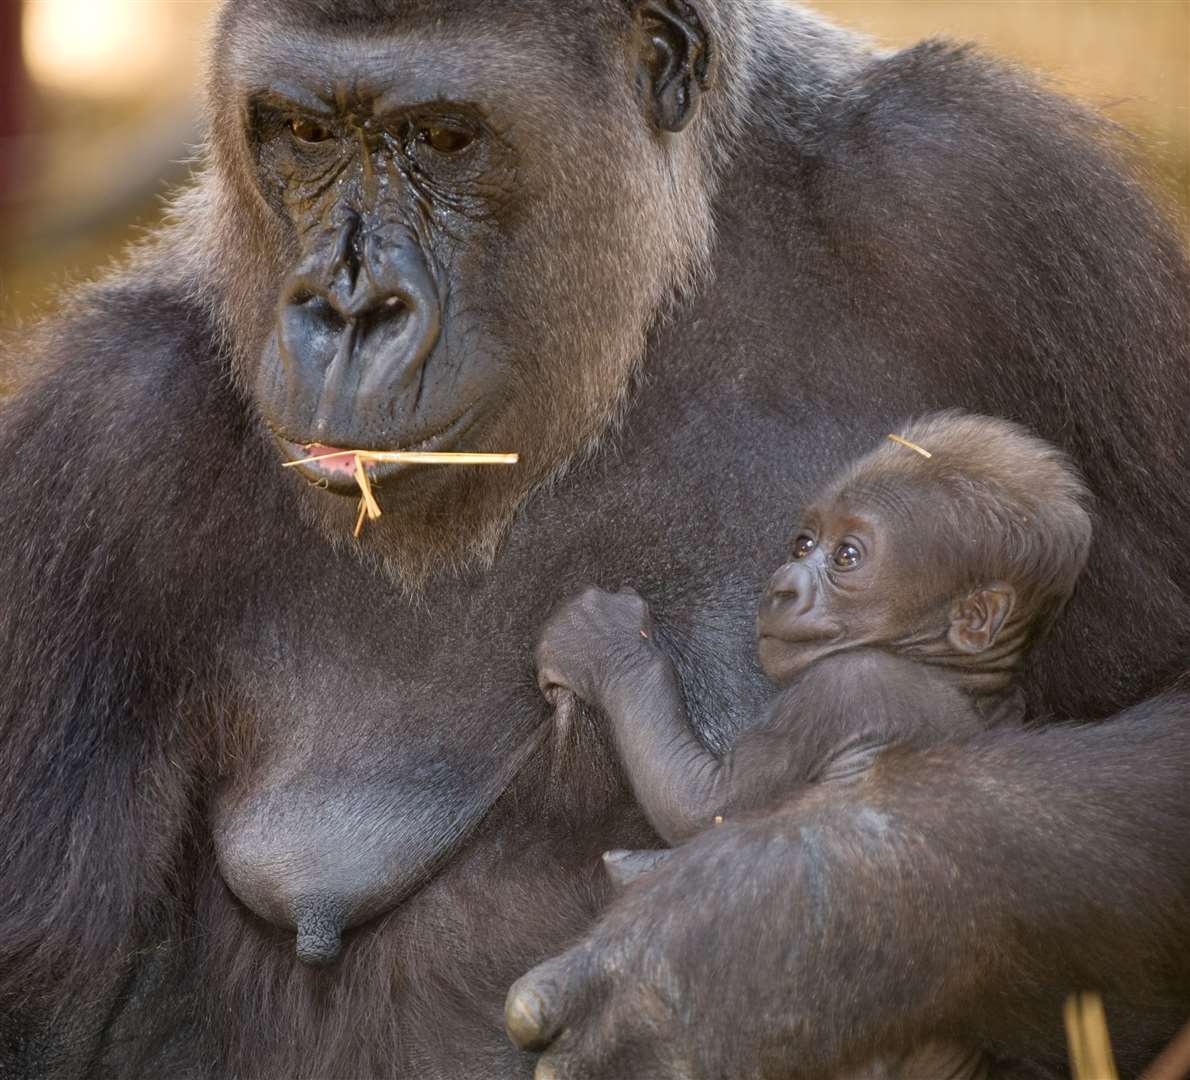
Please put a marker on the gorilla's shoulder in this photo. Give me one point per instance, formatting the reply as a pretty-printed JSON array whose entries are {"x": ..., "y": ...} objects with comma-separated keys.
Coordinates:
[
  {"x": 956, "y": 111},
  {"x": 119, "y": 405},
  {"x": 125, "y": 356}
]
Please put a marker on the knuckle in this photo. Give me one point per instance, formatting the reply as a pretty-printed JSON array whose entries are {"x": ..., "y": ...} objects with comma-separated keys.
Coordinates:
[{"x": 525, "y": 1016}]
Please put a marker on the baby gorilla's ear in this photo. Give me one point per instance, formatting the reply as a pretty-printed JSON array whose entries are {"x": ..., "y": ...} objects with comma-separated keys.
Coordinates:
[{"x": 977, "y": 619}]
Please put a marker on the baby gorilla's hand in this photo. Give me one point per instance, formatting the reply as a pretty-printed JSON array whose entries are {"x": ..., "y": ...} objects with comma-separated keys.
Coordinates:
[{"x": 591, "y": 639}]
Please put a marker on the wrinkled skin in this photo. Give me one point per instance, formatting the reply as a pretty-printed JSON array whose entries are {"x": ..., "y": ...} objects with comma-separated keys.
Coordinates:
[{"x": 274, "y": 804}]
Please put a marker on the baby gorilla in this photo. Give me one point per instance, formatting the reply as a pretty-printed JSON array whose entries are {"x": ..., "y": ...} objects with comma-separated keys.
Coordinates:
[{"x": 919, "y": 580}]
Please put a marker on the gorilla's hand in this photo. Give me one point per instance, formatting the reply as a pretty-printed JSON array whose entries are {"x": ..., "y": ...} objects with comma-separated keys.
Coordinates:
[
  {"x": 705, "y": 968},
  {"x": 591, "y": 639}
]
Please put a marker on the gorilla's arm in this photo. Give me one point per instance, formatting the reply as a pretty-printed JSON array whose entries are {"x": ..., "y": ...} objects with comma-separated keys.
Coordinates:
[
  {"x": 599, "y": 646},
  {"x": 962, "y": 890}
]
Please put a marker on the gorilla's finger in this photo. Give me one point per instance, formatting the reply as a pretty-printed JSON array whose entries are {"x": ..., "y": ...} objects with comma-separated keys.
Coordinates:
[
  {"x": 625, "y": 867},
  {"x": 539, "y": 1003}
]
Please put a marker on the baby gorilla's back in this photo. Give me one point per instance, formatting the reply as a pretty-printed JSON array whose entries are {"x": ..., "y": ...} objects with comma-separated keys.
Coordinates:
[
  {"x": 837, "y": 716},
  {"x": 831, "y": 723}
]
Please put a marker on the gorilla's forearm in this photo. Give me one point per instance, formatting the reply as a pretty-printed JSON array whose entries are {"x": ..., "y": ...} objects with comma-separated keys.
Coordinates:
[
  {"x": 680, "y": 785},
  {"x": 1030, "y": 853},
  {"x": 961, "y": 891},
  {"x": 984, "y": 881}
]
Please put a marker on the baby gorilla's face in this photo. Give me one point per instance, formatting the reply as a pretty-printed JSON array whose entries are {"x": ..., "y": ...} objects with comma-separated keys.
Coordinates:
[{"x": 850, "y": 581}]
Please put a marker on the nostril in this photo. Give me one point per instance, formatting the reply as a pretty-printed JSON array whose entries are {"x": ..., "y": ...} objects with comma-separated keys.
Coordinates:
[
  {"x": 318, "y": 307},
  {"x": 327, "y": 314}
]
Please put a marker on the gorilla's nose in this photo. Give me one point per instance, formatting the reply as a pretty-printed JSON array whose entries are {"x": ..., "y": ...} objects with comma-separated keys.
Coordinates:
[
  {"x": 791, "y": 589},
  {"x": 359, "y": 317}
]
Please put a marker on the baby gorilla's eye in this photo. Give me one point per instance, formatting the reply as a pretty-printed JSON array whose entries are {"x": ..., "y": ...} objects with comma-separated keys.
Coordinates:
[
  {"x": 846, "y": 557},
  {"x": 802, "y": 546},
  {"x": 307, "y": 131}
]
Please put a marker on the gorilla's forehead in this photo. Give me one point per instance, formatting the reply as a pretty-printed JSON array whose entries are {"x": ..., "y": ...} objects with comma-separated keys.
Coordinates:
[
  {"x": 356, "y": 16},
  {"x": 419, "y": 48}
]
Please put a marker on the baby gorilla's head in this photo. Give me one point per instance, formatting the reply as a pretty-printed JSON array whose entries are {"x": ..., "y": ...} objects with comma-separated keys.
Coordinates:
[{"x": 962, "y": 557}]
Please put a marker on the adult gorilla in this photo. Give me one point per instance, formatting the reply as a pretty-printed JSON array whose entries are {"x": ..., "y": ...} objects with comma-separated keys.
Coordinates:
[{"x": 460, "y": 224}]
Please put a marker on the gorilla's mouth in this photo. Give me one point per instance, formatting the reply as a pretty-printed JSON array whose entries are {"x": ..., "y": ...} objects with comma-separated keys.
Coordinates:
[{"x": 332, "y": 468}]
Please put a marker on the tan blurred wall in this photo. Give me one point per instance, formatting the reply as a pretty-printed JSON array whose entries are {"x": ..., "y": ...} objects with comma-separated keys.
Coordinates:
[{"x": 1129, "y": 57}]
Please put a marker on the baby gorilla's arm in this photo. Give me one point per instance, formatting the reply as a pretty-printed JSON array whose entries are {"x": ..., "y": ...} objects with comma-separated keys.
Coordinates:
[
  {"x": 599, "y": 646},
  {"x": 680, "y": 785}
]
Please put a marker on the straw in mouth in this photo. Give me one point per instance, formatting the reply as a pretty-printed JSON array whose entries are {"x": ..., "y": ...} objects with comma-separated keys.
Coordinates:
[
  {"x": 412, "y": 457},
  {"x": 369, "y": 507}
]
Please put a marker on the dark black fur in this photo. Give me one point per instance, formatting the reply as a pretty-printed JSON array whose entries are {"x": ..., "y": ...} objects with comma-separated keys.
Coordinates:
[{"x": 894, "y": 235}]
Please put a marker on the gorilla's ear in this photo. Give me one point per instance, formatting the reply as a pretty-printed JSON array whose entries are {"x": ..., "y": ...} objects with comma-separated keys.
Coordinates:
[
  {"x": 977, "y": 620},
  {"x": 674, "y": 60}
]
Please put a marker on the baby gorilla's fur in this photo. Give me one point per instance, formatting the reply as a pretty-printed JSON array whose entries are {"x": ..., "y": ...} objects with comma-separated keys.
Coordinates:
[{"x": 917, "y": 586}]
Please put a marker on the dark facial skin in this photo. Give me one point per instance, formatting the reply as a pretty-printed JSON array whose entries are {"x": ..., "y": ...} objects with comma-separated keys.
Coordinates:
[
  {"x": 386, "y": 196},
  {"x": 420, "y": 181},
  {"x": 844, "y": 586}
]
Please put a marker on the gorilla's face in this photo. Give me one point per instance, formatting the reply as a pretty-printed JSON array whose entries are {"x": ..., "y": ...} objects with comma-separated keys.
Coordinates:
[
  {"x": 479, "y": 235},
  {"x": 393, "y": 325}
]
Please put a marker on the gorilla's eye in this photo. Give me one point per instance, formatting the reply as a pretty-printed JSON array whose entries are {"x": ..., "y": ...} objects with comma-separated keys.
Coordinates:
[
  {"x": 445, "y": 140},
  {"x": 307, "y": 131},
  {"x": 802, "y": 546},
  {"x": 846, "y": 557}
]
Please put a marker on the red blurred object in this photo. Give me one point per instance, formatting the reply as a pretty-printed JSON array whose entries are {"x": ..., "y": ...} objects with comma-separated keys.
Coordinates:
[{"x": 14, "y": 99}]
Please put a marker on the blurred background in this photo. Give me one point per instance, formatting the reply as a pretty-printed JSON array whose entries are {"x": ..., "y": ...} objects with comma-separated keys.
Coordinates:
[{"x": 99, "y": 102}]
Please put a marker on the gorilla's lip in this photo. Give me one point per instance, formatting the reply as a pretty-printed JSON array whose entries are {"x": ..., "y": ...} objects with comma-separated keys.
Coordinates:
[{"x": 337, "y": 473}]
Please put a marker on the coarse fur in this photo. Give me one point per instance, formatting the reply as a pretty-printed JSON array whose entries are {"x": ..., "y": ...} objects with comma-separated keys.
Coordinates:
[
  {"x": 1010, "y": 505},
  {"x": 193, "y": 648}
]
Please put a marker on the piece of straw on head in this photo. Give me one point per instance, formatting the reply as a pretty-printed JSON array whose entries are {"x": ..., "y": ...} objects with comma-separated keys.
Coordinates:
[{"x": 911, "y": 445}]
